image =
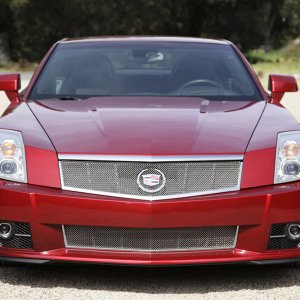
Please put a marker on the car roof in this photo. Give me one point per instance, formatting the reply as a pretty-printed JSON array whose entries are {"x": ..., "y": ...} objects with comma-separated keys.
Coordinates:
[{"x": 144, "y": 39}]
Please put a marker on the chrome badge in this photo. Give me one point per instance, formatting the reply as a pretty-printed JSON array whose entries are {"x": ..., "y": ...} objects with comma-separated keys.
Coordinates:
[{"x": 151, "y": 180}]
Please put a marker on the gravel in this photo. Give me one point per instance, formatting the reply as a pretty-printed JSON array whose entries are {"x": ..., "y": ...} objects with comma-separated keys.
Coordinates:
[{"x": 106, "y": 282}]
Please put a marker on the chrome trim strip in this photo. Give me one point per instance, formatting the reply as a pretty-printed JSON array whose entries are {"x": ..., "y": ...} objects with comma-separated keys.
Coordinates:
[
  {"x": 149, "y": 158},
  {"x": 236, "y": 236},
  {"x": 149, "y": 198},
  {"x": 64, "y": 235},
  {"x": 22, "y": 235},
  {"x": 277, "y": 236},
  {"x": 136, "y": 250},
  {"x": 61, "y": 176}
]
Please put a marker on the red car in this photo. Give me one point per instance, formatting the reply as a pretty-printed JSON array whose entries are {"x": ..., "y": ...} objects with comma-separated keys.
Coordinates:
[{"x": 148, "y": 151}]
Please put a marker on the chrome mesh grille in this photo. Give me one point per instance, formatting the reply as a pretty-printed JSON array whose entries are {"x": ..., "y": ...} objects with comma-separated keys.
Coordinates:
[
  {"x": 120, "y": 177},
  {"x": 150, "y": 240}
]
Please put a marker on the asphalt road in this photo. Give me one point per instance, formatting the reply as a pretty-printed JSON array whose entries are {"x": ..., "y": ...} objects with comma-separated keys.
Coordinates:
[{"x": 106, "y": 282}]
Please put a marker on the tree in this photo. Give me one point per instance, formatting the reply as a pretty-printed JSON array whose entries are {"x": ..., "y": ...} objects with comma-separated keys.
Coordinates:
[{"x": 33, "y": 25}]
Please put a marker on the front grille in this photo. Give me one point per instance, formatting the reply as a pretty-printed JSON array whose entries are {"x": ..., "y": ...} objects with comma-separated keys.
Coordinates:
[
  {"x": 170, "y": 179},
  {"x": 150, "y": 240},
  {"x": 22, "y": 238}
]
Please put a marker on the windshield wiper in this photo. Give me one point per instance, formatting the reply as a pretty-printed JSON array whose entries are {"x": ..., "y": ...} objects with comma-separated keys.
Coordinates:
[{"x": 68, "y": 98}]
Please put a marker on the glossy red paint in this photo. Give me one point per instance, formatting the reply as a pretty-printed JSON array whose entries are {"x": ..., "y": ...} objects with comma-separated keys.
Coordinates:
[
  {"x": 10, "y": 84},
  {"x": 145, "y": 39},
  {"x": 280, "y": 84},
  {"x": 253, "y": 209},
  {"x": 150, "y": 126}
]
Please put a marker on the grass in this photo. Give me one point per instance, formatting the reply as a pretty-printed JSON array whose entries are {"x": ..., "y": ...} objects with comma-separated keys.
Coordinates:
[
  {"x": 18, "y": 67},
  {"x": 283, "y": 61}
]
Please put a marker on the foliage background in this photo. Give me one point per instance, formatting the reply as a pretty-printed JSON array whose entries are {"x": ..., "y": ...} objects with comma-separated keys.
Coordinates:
[{"x": 31, "y": 26}]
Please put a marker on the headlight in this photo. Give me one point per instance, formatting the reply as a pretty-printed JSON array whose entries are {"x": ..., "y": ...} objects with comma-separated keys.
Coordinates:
[
  {"x": 12, "y": 156},
  {"x": 287, "y": 166}
]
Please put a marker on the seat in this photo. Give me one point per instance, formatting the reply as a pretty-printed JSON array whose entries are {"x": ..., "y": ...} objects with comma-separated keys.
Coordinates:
[{"x": 94, "y": 75}]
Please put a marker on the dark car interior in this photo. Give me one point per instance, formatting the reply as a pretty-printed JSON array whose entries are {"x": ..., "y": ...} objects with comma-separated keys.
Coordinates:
[{"x": 144, "y": 72}]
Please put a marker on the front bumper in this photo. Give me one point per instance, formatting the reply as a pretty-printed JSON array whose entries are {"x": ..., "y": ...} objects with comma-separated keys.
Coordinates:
[{"x": 47, "y": 209}]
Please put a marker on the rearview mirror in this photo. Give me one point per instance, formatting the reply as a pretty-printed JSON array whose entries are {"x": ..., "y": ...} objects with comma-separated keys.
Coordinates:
[
  {"x": 10, "y": 84},
  {"x": 146, "y": 56},
  {"x": 280, "y": 84}
]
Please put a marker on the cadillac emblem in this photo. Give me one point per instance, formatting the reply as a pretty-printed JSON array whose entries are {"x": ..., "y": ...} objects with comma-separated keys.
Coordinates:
[{"x": 151, "y": 180}]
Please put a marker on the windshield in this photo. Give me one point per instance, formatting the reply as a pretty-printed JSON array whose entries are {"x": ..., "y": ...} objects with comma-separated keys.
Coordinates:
[{"x": 94, "y": 69}]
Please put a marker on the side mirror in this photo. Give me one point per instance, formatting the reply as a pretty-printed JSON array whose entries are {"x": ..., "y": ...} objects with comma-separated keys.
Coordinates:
[
  {"x": 10, "y": 84},
  {"x": 280, "y": 84}
]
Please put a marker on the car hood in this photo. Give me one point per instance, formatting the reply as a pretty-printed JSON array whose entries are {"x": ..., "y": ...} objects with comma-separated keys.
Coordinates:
[{"x": 148, "y": 125}]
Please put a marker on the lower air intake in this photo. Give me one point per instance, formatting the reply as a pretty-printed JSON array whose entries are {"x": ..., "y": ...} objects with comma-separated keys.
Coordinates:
[
  {"x": 150, "y": 240},
  {"x": 278, "y": 239},
  {"x": 22, "y": 238}
]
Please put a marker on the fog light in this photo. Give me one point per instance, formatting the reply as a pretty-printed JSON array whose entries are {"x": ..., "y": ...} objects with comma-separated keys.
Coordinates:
[
  {"x": 8, "y": 167},
  {"x": 292, "y": 232},
  {"x": 292, "y": 168},
  {"x": 7, "y": 231}
]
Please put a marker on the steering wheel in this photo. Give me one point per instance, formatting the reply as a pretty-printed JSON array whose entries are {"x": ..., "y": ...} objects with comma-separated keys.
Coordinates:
[{"x": 201, "y": 81}]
